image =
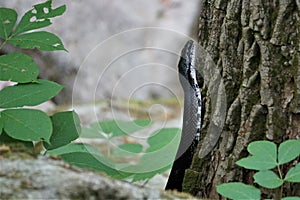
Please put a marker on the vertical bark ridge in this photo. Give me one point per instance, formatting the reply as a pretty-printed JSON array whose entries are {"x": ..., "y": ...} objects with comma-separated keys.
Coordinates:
[{"x": 255, "y": 45}]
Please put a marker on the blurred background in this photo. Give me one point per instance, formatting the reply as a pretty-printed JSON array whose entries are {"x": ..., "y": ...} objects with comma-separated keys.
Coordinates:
[
  {"x": 121, "y": 61},
  {"x": 88, "y": 24}
]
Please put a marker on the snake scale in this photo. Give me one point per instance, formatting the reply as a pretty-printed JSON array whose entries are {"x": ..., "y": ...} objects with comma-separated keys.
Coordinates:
[{"x": 191, "y": 116}]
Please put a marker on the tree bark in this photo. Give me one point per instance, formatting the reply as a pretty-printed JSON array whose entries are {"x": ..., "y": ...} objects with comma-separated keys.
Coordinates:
[{"x": 255, "y": 45}]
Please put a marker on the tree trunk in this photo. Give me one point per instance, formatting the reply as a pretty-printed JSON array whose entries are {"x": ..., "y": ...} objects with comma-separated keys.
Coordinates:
[{"x": 255, "y": 45}]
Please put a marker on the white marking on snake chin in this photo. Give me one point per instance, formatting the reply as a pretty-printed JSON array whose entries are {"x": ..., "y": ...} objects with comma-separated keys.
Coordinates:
[{"x": 197, "y": 90}]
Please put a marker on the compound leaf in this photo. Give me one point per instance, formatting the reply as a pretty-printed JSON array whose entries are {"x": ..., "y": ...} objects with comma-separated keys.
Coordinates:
[
  {"x": 29, "y": 94},
  {"x": 18, "y": 67},
  {"x": 42, "y": 40},
  {"x": 293, "y": 175},
  {"x": 288, "y": 151},
  {"x": 268, "y": 179},
  {"x": 38, "y": 17},
  {"x": 66, "y": 128},
  {"x": 8, "y": 18},
  {"x": 27, "y": 124},
  {"x": 237, "y": 190}
]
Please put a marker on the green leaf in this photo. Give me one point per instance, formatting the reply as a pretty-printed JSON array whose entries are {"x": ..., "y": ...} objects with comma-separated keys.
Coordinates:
[
  {"x": 293, "y": 175},
  {"x": 264, "y": 156},
  {"x": 74, "y": 147},
  {"x": 268, "y": 179},
  {"x": 42, "y": 40},
  {"x": 133, "y": 148},
  {"x": 264, "y": 148},
  {"x": 66, "y": 128},
  {"x": 148, "y": 175},
  {"x": 38, "y": 17},
  {"x": 291, "y": 198},
  {"x": 86, "y": 156},
  {"x": 116, "y": 128},
  {"x": 162, "y": 138},
  {"x": 288, "y": 151},
  {"x": 42, "y": 8},
  {"x": 163, "y": 145},
  {"x": 90, "y": 161},
  {"x": 18, "y": 67},
  {"x": 91, "y": 132},
  {"x": 127, "y": 150},
  {"x": 8, "y": 18},
  {"x": 156, "y": 159},
  {"x": 256, "y": 163},
  {"x": 27, "y": 124},
  {"x": 14, "y": 143},
  {"x": 29, "y": 94},
  {"x": 238, "y": 191}
]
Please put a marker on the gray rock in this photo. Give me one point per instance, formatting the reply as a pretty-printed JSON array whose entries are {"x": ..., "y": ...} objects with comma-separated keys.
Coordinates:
[{"x": 44, "y": 178}]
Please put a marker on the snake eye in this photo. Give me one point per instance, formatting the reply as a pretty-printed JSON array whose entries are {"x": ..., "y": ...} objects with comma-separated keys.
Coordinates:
[
  {"x": 183, "y": 67},
  {"x": 186, "y": 59}
]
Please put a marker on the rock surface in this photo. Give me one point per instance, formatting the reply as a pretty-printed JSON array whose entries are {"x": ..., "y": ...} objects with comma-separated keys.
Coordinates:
[{"x": 43, "y": 178}]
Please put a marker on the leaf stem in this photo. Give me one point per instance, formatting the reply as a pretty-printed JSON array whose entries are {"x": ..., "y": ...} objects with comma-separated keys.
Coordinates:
[
  {"x": 279, "y": 171},
  {"x": 281, "y": 187},
  {"x": 3, "y": 44},
  {"x": 5, "y": 41}
]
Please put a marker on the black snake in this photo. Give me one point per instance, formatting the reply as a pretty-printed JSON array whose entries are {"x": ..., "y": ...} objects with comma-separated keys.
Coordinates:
[{"x": 191, "y": 116}]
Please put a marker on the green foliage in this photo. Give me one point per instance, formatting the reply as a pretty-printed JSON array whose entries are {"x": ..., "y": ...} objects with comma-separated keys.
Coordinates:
[
  {"x": 16, "y": 123},
  {"x": 115, "y": 128},
  {"x": 66, "y": 128},
  {"x": 127, "y": 150},
  {"x": 59, "y": 131},
  {"x": 288, "y": 151},
  {"x": 42, "y": 40},
  {"x": 38, "y": 17},
  {"x": 27, "y": 124},
  {"x": 264, "y": 157},
  {"x": 268, "y": 179},
  {"x": 293, "y": 175},
  {"x": 291, "y": 198},
  {"x": 238, "y": 191},
  {"x": 8, "y": 18},
  {"x": 86, "y": 156},
  {"x": 161, "y": 139},
  {"x": 116, "y": 160},
  {"x": 18, "y": 67},
  {"x": 28, "y": 94}
]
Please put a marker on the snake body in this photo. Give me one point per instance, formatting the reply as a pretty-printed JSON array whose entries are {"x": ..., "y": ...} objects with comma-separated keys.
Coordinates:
[{"x": 191, "y": 116}]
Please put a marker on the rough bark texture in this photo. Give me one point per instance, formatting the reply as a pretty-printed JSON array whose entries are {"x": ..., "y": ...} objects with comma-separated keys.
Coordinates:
[{"x": 255, "y": 44}]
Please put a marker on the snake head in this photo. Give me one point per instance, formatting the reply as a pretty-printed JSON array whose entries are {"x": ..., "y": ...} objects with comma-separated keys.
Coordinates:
[{"x": 187, "y": 62}]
